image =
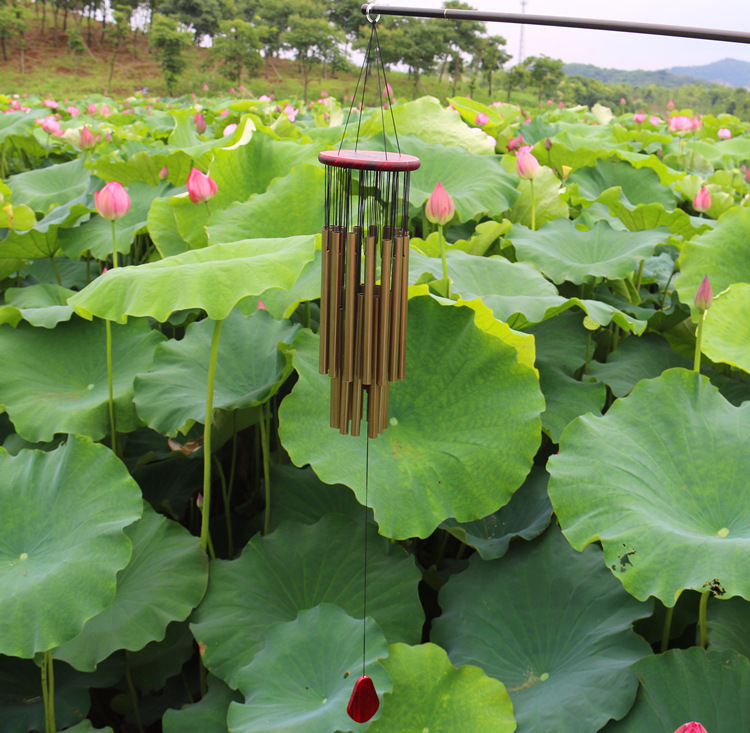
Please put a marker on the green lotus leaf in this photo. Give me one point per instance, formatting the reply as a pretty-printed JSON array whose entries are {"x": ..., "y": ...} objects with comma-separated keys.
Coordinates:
[
  {"x": 548, "y": 203},
  {"x": 445, "y": 127},
  {"x": 250, "y": 370},
  {"x": 56, "y": 381},
  {"x": 721, "y": 253},
  {"x": 285, "y": 209},
  {"x": 664, "y": 490},
  {"x": 562, "y": 342},
  {"x": 43, "y": 305},
  {"x": 295, "y": 568},
  {"x": 685, "y": 685},
  {"x": 479, "y": 186},
  {"x": 553, "y": 626},
  {"x": 506, "y": 287},
  {"x": 164, "y": 580},
  {"x": 637, "y": 186},
  {"x": 526, "y": 515},
  {"x": 21, "y": 702},
  {"x": 86, "y": 726},
  {"x": 143, "y": 166},
  {"x": 283, "y": 303},
  {"x": 566, "y": 398},
  {"x": 728, "y": 624},
  {"x": 297, "y": 494},
  {"x": 302, "y": 679},
  {"x": 242, "y": 170},
  {"x": 563, "y": 252},
  {"x": 726, "y": 331},
  {"x": 649, "y": 215},
  {"x": 158, "y": 661},
  {"x": 213, "y": 278},
  {"x": 464, "y": 425},
  {"x": 164, "y": 231},
  {"x": 51, "y": 186},
  {"x": 63, "y": 515},
  {"x": 430, "y": 694},
  {"x": 207, "y": 716},
  {"x": 96, "y": 235},
  {"x": 636, "y": 359}
]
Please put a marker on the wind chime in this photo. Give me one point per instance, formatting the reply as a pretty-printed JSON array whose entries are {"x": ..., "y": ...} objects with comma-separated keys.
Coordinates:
[{"x": 364, "y": 290}]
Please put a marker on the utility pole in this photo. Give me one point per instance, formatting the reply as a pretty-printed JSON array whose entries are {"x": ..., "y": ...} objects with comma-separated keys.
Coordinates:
[{"x": 520, "y": 43}]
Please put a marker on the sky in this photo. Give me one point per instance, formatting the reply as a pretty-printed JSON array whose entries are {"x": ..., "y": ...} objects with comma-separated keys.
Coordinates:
[{"x": 611, "y": 49}]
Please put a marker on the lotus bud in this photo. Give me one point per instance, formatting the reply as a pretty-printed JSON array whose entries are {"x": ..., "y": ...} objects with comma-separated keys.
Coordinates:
[
  {"x": 200, "y": 123},
  {"x": 623, "y": 100},
  {"x": 91, "y": 109},
  {"x": 205, "y": 87},
  {"x": 199, "y": 501},
  {"x": 639, "y": 117},
  {"x": 164, "y": 173},
  {"x": 229, "y": 129},
  {"x": 691, "y": 728},
  {"x": 724, "y": 133},
  {"x": 561, "y": 104},
  {"x": 104, "y": 109},
  {"x": 527, "y": 166},
  {"x": 87, "y": 139},
  {"x": 747, "y": 176},
  {"x": 481, "y": 119},
  {"x": 547, "y": 144},
  {"x": 670, "y": 104},
  {"x": 654, "y": 120},
  {"x": 112, "y": 202},
  {"x": 200, "y": 186},
  {"x": 704, "y": 296},
  {"x": 702, "y": 200},
  {"x": 440, "y": 207}
]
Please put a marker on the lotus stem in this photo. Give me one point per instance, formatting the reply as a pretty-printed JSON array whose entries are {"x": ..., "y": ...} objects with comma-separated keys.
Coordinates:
[
  {"x": 533, "y": 205},
  {"x": 133, "y": 693},
  {"x": 54, "y": 267},
  {"x": 702, "y": 618},
  {"x": 110, "y": 382},
  {"x": 227, "y": 513},
  {"x": 666, "y": 631},
  {"x": 698, "y": 341},
  {"x": 639, "y": 279},
  {"x": 48, "y": 692},
  {"x": 207, "y": 434},
  {"x": 441, "y": 237},
  {"x": 265, "y": 444},
  {"x": 114, "y": 245}
]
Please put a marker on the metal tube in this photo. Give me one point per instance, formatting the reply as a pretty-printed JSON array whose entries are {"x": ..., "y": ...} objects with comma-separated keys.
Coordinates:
[
  {"x": 369, "y": 312},
  {"x": 708, "y": 34},
  {"x": 384, "y": 341},
  {"x": 325, "y": 263},
  {"x": 351, "y": 282}
]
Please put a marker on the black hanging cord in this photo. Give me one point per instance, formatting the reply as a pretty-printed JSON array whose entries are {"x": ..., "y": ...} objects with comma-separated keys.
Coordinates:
[{"x": 379, "y": 66}]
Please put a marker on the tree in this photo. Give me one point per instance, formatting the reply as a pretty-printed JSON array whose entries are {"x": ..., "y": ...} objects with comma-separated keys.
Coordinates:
[
  {"x": 422, "y": 42},
  {"x": 76, "y": 45},
  {"x": 117, "y": 34},
  {"x": 493, "y": 56},
  {"x": 312, "y": 38},
  {"x": 545, "y": 74},
  {"x": 168, "y": 42},
  {"x": 347, "y": 15},
  {"x": 515, "y": 77},
  {"x": 460, "y": 36},
  {"x": 203, "y": 16},
  {"x": 237, "y": 47},
  {"x": 7, "y": 29}
]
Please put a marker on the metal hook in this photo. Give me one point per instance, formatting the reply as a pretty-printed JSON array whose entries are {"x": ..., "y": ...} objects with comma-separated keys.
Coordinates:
[{"x": 367, "y": 14}]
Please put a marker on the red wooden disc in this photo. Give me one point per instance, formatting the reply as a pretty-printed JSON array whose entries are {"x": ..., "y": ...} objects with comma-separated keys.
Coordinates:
[
  {"x": 363, "y": 703},
  {"x": 369, "y": 160}
]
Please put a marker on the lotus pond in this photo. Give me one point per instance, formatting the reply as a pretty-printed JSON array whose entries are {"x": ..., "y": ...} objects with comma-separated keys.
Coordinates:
[{"x": 559, "y": 525}]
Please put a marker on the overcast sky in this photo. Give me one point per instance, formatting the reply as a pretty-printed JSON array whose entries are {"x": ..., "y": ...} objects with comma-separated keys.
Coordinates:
[{"x": 619, "y": 50}]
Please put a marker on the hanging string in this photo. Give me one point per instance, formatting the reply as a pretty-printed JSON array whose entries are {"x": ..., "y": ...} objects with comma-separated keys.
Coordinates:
[{"x": 364, "y": 584}]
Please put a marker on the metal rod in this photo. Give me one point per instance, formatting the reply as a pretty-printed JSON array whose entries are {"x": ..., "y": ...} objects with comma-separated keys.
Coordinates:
[{"x": 708, "y": 34}]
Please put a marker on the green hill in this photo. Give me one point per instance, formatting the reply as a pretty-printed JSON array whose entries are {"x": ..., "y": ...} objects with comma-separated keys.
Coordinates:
[
  {"x": 639, "y": 78},
  {"x": 729, "y": 72}
]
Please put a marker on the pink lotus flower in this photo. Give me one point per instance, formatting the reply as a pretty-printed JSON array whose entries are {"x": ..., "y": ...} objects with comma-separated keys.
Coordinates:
[
  {"x": 481, "y": 119},
  {"x": 639, "y": 117},
  {"x": 515, "y": 142},
  {"x": 695, "y": 123},
  {"x": 91, "y": 109},
  {"x": 231, "y": 90},
  {"x": 702, "y": 200},
  {"x": 73, "y": 111},
  {"x": 200, "y": 123},
  {"x": 291, "y": 112},
  {"x": 654, "y": 120},
  {"x": 266, "y": 98},
  {"x": 678, "y": 123},
  {"x": 164, "y": 173},
  {"x": 87, "y": 139},
  {"x": 691, "y": 728},
  {"x": 104, "y": 109},
  {"x": 440, "y": 207},
  {"x": 747, "y": 176},
  {"x": 724, "y": 133},
  {"x": 623, "y": 100},
  {"x": 51, "y": 126},
  {"x": 560, "y": 105},
  {"x": 549, "y": 102},
  {"x": 224, "y": 113},
  {"x": 527, "y": 166},
  {"x": 704, "y": 296},
  {"x": 200, "y": 187},
  {"x": 112, "y": 202},
  {"x": 51, "y": 104},
  {"x": 670, "y": 104},
  {"x": 205, "y": 87},
  {"x": 229, "y": 129}
]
